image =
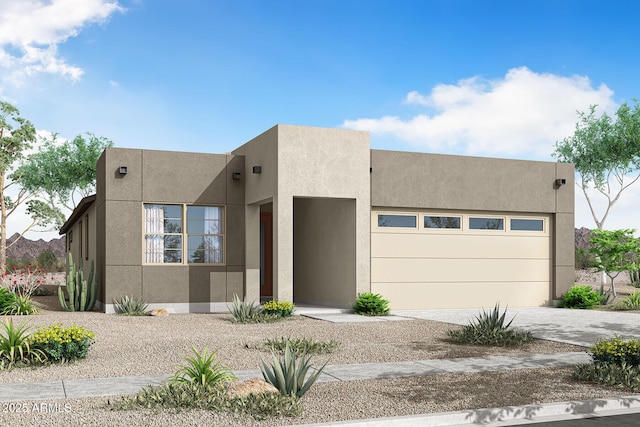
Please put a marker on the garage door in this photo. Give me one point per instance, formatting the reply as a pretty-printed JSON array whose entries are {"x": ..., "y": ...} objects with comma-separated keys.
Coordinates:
[{"x": 428, "y": 259}]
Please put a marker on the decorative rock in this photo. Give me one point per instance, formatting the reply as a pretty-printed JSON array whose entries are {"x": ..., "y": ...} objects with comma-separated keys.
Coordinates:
[
  {"x": 253, "y": 386},
  {"x": 159, "y": 312}
]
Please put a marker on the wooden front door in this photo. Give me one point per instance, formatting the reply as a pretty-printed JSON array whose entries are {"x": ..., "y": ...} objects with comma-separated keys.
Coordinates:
[{"x": 266, "y": 255}]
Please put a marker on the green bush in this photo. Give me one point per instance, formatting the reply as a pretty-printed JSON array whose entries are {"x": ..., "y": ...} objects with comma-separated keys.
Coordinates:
[
  {"x": 278, "y": 308},
  {"x": 128, "y": 306},
  {"x": 288, "y": 374},
  {"x": 15, "y": 345},
  {"x": 299, "y": 346},
  {"x": 202, "y": 369},
  {"x": 249, "y": 312},
  {"x": 212, "y": 398},
  {"x": 63, "y": 344},
  {"x": 22, "y": 305},
  {"x": 623, "y": 376},
  {"x": 583, "y": 258},
  {"x": 580, "y": 296},
  {"x": 7, "y": 299},
  {"x": 616, "y": 351},
  {"x": 369, "y": 304},
  {"x": 489, "y": 328}
]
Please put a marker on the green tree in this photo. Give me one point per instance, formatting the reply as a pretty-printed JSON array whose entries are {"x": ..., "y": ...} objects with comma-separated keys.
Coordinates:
[
  {"x": 60, "y": 172},
  {"x": 47, "y": 260},
  {"x": 615, "y": 251},
  {"x": 16, "y": 135},
  {"x": 606, "y": 153}
]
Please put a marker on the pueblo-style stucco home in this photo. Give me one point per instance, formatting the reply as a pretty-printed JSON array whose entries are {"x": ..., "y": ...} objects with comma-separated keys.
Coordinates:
[{"x": 313, "y": 215}]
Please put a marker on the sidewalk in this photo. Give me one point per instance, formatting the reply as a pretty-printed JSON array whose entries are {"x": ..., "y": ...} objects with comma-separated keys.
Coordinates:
[
  {"x": 93, "y": 387},
  {"x": 575, "y": 327}
]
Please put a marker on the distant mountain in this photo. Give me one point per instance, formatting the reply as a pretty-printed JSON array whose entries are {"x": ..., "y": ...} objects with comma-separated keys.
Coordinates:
[{"x": 30, "y": 249}]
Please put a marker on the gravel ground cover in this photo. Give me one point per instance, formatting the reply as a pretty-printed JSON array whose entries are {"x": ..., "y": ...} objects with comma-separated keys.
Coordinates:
[{"x": 127, "y": 346}]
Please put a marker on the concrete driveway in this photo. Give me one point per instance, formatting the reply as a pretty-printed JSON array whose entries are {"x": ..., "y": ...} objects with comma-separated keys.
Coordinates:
[{"x": 579, "y": 327}]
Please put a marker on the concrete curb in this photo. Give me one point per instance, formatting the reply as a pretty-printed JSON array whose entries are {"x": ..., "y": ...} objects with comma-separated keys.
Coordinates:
[{"x": 502, "y": 416}]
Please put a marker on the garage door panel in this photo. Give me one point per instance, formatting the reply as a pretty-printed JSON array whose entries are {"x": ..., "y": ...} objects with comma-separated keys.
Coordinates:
[
  {"x": 458, "y": 270},
  {"x": 431, "y": 245},
  {"x": 415, "y": 296}
]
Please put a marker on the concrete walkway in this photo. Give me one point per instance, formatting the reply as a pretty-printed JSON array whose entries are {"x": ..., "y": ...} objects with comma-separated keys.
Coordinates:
[{"x": 578, "y": 327}]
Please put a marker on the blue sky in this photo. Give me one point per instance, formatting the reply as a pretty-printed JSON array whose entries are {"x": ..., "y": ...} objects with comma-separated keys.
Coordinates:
[{"x": 488, "y": 78}]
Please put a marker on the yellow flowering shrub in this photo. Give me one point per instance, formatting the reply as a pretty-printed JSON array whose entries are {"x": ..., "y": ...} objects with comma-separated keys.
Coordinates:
[
  {"x": 61, "y": 343},
  {"x": 279, "y": 308},
  {"x": 616, "y": 350}
]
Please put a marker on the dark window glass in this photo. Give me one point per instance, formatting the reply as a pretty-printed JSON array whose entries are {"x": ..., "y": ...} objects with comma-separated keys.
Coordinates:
[
  {"x": 527, "y": 224},
  {"x": 405, "y": 221},
  {"x": 442, "y": 222},
  {"x": 486, "y": 223}
]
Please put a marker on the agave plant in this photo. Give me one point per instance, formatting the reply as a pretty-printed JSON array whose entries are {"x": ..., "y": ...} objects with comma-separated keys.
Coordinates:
[
  {"x": 131, "y": 306},
  {"x": 288, "y": 374},
  {"x": 201, "y": 369},
  {"x": 15, "y": 343},
  {"x": 492, "y": 320},
  {"x": 244, "y": 312},
  {"x": 489, "y": 328}
]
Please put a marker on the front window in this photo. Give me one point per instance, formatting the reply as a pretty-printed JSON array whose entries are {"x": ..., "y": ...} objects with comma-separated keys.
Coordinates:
[
  {"x": 205, "y": 234},
  {"x": 163, "y": 234},
  {"x": 168, "y": 241}
]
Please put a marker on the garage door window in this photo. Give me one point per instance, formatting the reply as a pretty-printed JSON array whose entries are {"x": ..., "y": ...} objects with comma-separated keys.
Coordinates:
[
  {"x": 402, "y": 221},
  {"x": 442, "y": 222},
  {"x": 478, "y": 223},
  {"x": 527, "y": 224}
]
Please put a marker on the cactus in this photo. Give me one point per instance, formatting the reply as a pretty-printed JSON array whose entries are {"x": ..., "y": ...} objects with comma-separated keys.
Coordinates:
[{"x": 82, "y": 293}]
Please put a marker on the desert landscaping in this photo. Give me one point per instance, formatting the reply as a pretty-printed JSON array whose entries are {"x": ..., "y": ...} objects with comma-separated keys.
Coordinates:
[{"x": 136, "y": 346}]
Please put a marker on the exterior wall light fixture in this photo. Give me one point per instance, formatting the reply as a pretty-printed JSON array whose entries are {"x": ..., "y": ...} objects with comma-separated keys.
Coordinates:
[
  {"x": 560, "y": 182},
  {"x": 236, "y": 176},
  {"x": 123, "y": 170},
  {"x": 257, "y": 169}
]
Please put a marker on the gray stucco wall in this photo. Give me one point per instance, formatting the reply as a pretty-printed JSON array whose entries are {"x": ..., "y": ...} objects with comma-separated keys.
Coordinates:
[
  {"x": 435, "y": 181},
  {"x": 166, "y": 178}
]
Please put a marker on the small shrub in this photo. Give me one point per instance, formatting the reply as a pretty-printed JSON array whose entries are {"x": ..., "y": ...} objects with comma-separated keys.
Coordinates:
[
  {"x": 489, "y": 328},
  {"x": 299, "y": 346},
  {"x": 249, "y": 312},
  {"x": 278, "y": 308},
  {"x": 201, "y": 369},
  {"x": 128, "y": 306},
  {"x": 288, "y": 374},
  {"x": 620, "y": 376},
  {"x": 580, "y": 296},
  {"x": 22, "y": 305},
  {"x": 211, "y": 398},
  {"x": 616, "y": 351},
  {"x": 63, "y": 344},
  {"x": 7, "y": 299},
  {"x": 15, "y": 345},
  {"x": 369, "y": 304},
  {"x": 632, "y": 302},
  {"x": 583, "y": 258}
]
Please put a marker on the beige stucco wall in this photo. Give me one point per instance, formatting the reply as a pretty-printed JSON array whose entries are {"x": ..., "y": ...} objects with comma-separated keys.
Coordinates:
[
  {"x": 324, "y": 244},
  {"x": 301, "y": 161},
  {"x": 167, "y": 178}
]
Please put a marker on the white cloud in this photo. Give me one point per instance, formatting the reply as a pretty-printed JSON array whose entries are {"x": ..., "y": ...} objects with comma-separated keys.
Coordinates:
[
  {"x": 31, "y": 30},
  {"x": 521, "y": 114}
]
